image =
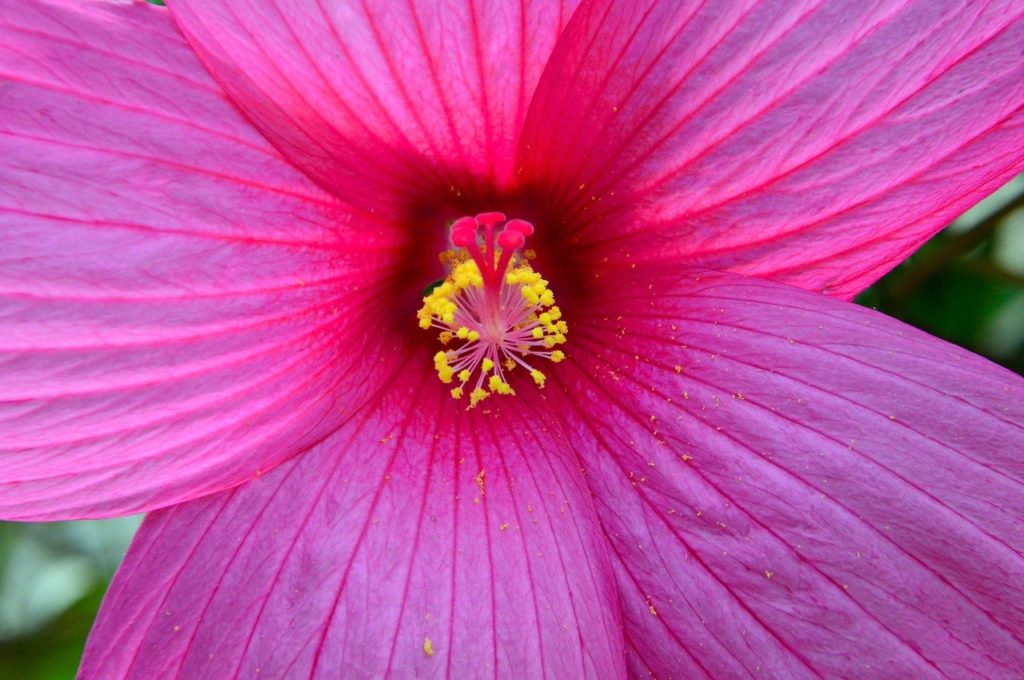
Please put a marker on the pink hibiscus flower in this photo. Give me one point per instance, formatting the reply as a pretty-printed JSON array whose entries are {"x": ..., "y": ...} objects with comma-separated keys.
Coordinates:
[{"x": 219, "y": 219}]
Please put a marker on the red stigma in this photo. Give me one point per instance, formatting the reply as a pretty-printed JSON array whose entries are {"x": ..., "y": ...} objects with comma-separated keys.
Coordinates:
[{"x": 466, "y": 234}]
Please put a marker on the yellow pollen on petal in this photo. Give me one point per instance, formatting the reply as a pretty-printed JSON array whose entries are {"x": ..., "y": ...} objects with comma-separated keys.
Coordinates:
[{"x": 487, "y": 365}]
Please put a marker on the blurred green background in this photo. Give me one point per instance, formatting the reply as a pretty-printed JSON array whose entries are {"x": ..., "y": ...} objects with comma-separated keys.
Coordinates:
[{"x": 965, "y": 285}]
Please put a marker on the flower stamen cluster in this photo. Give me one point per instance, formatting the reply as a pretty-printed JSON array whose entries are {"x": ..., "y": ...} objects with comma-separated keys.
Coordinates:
[{"x": 493, "y": 310}]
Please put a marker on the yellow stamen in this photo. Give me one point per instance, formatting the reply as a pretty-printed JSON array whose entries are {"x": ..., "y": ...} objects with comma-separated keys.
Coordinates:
[
  {"x": 498, "y": 385},
  {"x": 491, "y": 305},
  {"x": 477, "y": 395}
]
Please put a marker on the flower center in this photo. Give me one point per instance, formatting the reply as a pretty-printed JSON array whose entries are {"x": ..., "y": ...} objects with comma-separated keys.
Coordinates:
[{"x": 495, "y": 313}]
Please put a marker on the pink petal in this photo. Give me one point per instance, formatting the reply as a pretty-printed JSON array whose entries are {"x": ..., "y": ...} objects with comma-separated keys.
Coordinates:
[
  {"x": 816, "y": 143},
  {"x": 169, "y": 288},
  {"x": 383, "y": 103},
  {"x": 796, "y": 486},
  {"x": 418, "y": 522}
]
